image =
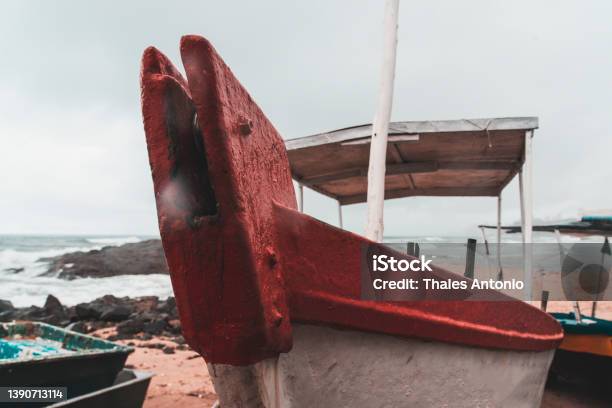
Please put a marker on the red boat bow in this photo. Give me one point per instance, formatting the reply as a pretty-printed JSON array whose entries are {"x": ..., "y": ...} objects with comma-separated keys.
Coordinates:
[{"x": 244, "y": 262}]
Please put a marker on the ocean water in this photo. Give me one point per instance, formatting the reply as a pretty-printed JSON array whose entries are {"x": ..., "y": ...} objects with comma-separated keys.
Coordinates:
[{"x": 30, "y": 288}]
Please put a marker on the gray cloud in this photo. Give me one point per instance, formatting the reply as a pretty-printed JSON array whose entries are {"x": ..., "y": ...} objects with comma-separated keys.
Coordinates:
[{"x": 72, "y": 152}]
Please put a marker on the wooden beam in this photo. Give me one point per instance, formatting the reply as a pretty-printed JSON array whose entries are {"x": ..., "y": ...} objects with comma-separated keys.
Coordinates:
[
  {"x": 407, "y": 168},
  {"x": 390, "y": 139},
  {"x": 392, "y": 169},
  {"x": 431, "y": 192},
  {"x": 457, "y": 127},
  {"x": 478, "y": 165},
  {"x": 397, "y": 156}
]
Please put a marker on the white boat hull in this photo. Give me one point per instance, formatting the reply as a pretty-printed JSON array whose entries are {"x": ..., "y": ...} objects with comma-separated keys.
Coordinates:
[{"x": 329, "y": 367}]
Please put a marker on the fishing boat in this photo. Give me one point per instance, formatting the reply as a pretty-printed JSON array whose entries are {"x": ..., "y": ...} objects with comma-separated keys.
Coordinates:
[
  {"x": 587, "y": 225},
  {"x": 585, "y": 354},
  {"x": 271, "y": 297},
  {"x": 127, "y": 391},
  {"x": 36, "y": 354}
]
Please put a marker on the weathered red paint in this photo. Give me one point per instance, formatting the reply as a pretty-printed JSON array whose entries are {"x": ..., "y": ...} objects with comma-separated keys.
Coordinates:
[{"x": 244, "y": 263}]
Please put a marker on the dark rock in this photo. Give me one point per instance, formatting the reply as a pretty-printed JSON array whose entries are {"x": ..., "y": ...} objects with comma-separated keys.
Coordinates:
[
  {"x": 112, "y": 300},
  {"x": 148, "y": 316},
  {"x": 91, "y": 310},
  {"x": 141, "y": 258},
  {"x": 119, "y": 336},
  {"x": 30, "y": 313},
  {"x": 96, "y": 325},
  {"x": 54, "y": 307},
  {"x": 146, "y": 304},
  {"x": 155, "y": 326},
  {"x": 182, "y": 347},
  {"x": 174, "y": 326},
  {"x": 7, "y": 316},
  {"x": 131, "y": 326},
  {"x": 179, "y": 340},
  {"x": 154, "y": 345},
  {"x": 79, "y": 327},
  {"x": 6, "y": 305},
  {"x": 71, "y": 313},
  {"x": 146, "y": 336},
  {"x": 51, "y": 319},
  {"x": 168, "y": 350},
  {"x": 116, "y": 313},
  {"x": 168, "y": 306},
  {"x": 53, "y": 303},
  {"x": 107, "y": 308}
]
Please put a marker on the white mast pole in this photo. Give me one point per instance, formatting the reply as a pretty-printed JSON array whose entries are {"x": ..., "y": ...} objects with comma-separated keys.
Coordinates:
[
  {"x": 301, "y": 197},
  {"x": 380, "y": 127}
]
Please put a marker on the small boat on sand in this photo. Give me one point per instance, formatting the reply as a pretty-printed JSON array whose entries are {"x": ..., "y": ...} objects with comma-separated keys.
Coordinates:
[
  {"x": 270, "y": 297},
  {"x": 41, "y": 355},
  {"x": 587, "y": 225},
  {"x": 585, "y": 355}
]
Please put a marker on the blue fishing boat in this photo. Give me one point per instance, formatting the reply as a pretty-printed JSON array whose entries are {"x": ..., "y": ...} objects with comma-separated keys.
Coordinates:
[
  {"x": 41, "y": 355},
  {"x": 585, "y": 354}
]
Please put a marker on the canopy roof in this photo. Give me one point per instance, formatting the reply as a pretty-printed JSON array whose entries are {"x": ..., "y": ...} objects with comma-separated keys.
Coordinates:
[
  {"x": 588, "y": 225},
  {"x": 467, "y": 157}
]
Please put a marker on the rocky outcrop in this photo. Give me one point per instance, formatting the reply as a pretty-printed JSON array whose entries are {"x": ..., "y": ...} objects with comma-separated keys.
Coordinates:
[
  {"x": 6, "y": 305},
  {"x": 142, "y": 317},
  {"x": 141, "y": 258}
]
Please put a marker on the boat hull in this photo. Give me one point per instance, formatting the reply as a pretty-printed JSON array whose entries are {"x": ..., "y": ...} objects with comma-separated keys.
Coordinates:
[
  {"x": 346, "y": 368},
  {"x": 91, "y": 363}
]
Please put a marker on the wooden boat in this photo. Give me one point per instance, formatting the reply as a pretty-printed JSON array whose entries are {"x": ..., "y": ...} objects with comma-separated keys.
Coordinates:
[
  {"x": 127, "y": 391},
  {"x": 270, "y": 297},
  {"x": 585, "y": 354},
  {"x": 41, "y": 355},
  {"x": 587, "y": 225}
]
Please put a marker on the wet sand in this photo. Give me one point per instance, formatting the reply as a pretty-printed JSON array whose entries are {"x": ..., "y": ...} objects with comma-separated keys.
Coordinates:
[{"x": 181, "y": 379}]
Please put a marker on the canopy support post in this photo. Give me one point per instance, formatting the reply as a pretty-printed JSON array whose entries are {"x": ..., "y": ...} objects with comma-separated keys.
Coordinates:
[
  {"x": 340, "y": 214},
  {"x": 500, "y": 272},
  {"x": 484, "y": 239},
  {"x": 380, "y": 127},
  {"x": 527, "y": 205},
  {"x": 524, "y": 236},
  {"x": 301, "y": 197},
  {"x": 522, "y": 202}
]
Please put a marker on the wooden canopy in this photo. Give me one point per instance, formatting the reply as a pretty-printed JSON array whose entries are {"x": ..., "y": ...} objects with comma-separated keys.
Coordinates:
[{"x": 468, "y": 157}]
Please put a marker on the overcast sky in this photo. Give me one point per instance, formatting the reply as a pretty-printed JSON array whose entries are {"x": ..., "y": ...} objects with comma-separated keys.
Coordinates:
[{"x": 72, "y": 148}]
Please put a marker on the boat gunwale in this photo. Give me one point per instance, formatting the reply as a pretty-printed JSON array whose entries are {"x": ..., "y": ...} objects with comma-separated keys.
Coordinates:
[{"x": 116, "y": 349}]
